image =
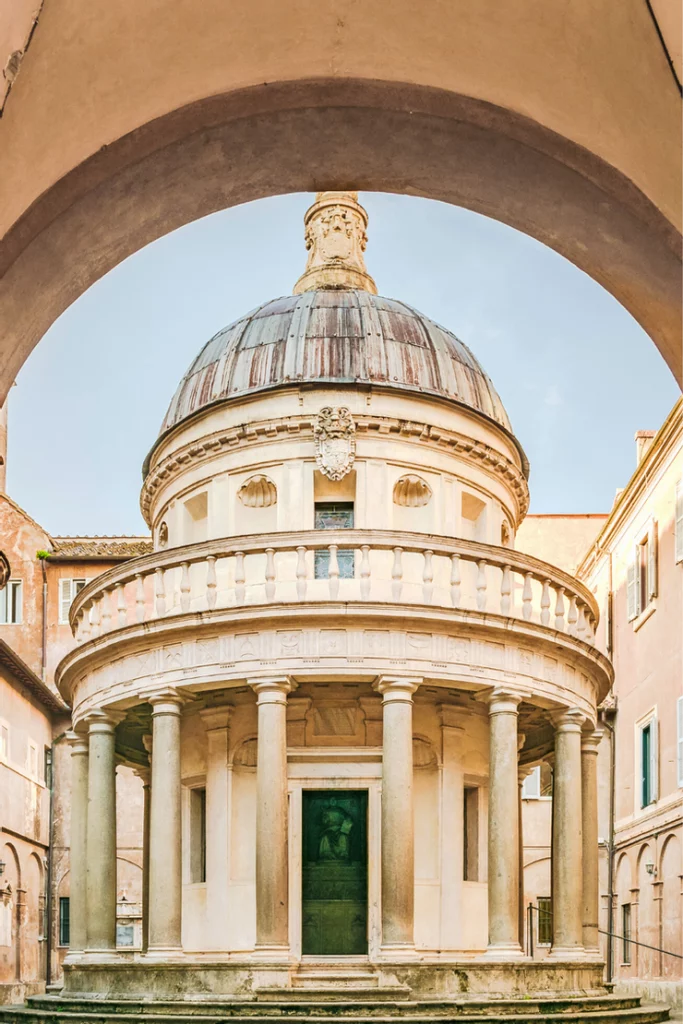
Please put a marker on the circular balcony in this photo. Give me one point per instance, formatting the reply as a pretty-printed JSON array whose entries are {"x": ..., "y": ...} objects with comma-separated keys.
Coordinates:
[{"x": 346, "y": 603}]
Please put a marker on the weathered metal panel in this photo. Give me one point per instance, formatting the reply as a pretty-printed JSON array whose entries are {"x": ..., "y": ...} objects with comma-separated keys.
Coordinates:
[{"x": 335, "y": 335}]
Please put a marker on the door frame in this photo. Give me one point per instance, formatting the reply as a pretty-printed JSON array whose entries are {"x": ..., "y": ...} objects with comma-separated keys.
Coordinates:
[{"x": 334, "y": 768}]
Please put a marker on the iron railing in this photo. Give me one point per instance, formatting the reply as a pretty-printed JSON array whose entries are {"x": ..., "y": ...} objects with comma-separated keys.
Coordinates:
[{"x": 614, "y": 935}]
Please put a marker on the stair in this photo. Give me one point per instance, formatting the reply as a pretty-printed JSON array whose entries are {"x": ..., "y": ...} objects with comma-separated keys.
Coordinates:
[{"x": 603, "y": 1009}]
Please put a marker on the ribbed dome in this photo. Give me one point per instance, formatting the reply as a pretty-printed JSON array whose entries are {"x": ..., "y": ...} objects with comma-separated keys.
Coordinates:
[{"x": 334, "y": 336}]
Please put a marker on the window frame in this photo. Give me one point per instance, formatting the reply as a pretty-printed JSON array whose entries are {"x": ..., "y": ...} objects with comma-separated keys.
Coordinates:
[
  {"x": 626, "y": 934},
  {"x": 642, "y": 575},
  {"x": 74, "y": 590},
  {"x": 13, "y": 586},
  {"x": 545, "y": 911},
  {"x": 648, "y": 773},
  {"x": 64, "y": 925}
]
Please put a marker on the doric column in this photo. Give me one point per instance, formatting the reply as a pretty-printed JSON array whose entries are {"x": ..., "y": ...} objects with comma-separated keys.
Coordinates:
[
  {"x": 590, "y": 743},
  {"x": 272, "y": 855},
  {"x": 101, "y": 834},
  {"x": 503, "y": 878},
  {"x": 398, "y": 846},
  {"x": 216, "y": 721},
  {"x": 567, "y": 838},
  {"x": 165, "y": 881},
  {"x": 78, "y": 858},
  {"x": 145, "y": 775}
]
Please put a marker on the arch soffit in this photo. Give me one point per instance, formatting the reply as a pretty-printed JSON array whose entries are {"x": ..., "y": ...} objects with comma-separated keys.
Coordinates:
[
  {"x": 670, "y": 842},
  {"x": 377, "y": 136}
]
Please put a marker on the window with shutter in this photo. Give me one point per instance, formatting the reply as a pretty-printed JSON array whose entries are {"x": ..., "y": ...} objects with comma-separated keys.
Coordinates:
[
  {"x": 651, "y": 562},
  {"x": 679, "y": 745},
  {"x": 632, "y": 588},
  {"x": 679, "y": 521},
  {"x": 11, "y": 602},
  {"x": 654, "y": 760},
  {"x": 64, "y": 600}
]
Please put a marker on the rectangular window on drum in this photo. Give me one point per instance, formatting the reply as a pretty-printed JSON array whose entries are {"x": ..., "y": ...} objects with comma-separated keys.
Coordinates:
[
  {"x": 198, "y": 835},
  {"x": 334, "y": 515}
]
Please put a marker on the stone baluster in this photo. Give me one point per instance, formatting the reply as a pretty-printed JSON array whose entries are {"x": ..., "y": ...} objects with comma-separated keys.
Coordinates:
[
  {"x": 503, "y": 831},
  {"x": 84, "y": 622},
  {"x": 160, "y": 592},
  {"x": 428, "y": 577},
  {"x": 270, "y": 574},
  {"x": 455, "y": 580},
  {"x": 106, "y": 610},
  {"x": 580, "y": 620},
  {"x": 559, "y": 609},
  {"x": 211, "y": 582},
  {"x": 527, "y": 595},
  {"x": 365, "y": 572},
  {"x": 505, "y": 590},
  {"x": 590, "y": 743},
  {"x": 567, "y": 854},
  {"x": 184, "y": 587},
  {"x": 101, "y": 834},
  {"x": 165, "y": 881},
  {"x": 398, "y": 872},
  {"x": 545, "y": 603},
  {"x": 481, "y": 584},
  {"x": 95, "y": 617},
  {"x": 272, "y": 858},
  {"x": 333, "y": 572},
  {"x": 572, "y": 616},
  {"x": 301, "y": 572},
  {"x": 397, "y": 575},
  {"x": 139, "y": 597},
  {"x": 240, "y": 578},
  {"x": 78, "y": 858},
  {"x": 121, "y": 606}
]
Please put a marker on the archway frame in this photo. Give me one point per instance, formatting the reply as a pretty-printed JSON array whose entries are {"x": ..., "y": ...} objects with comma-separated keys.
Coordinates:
[{"x": 370, "y": 135}]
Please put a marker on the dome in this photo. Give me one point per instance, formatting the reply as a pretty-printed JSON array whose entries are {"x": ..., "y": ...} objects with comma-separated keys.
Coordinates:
[
  {"x": 334, "y": 336},
  {"x": 335, "y": 330}
]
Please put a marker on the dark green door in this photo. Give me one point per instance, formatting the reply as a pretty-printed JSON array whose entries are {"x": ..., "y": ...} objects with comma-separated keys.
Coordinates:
[{"x": 335, "y": 872}]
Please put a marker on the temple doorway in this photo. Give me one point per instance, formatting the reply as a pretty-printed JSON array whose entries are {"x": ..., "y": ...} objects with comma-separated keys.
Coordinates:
[{"x": 334, "y": 872}]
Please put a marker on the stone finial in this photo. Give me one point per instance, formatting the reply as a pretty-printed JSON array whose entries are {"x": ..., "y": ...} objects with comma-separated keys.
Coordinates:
[{"x": 336, "y": 239}]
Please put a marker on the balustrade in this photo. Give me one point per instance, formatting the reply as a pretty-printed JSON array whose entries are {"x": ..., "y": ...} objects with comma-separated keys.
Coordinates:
[{"x": 385, "y": 566}]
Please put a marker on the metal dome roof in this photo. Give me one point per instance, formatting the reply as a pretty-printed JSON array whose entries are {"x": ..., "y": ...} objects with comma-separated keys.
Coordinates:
[{"x": 334, "y": 336}]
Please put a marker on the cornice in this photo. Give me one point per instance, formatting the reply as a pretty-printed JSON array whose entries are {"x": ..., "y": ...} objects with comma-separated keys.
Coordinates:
[
  {"x": 214, "y": 444},
  {"x": 667, "y": 439}
]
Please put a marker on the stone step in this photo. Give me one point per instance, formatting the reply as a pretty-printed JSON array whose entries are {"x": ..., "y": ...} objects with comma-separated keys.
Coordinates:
[
  {"x": 639, "y": 1015},
  {"x": 580, "y": 1010}
]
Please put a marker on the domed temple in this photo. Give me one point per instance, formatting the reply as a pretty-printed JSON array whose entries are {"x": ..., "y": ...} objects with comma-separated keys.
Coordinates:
[{"x": 333, "y": 673}]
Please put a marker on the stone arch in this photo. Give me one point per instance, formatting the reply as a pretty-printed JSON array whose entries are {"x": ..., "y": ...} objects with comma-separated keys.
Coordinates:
[
  {"x": 245, "y": 754},
  {"x": 34, "y": 919},
  {"x": 671, "y": 904},
  {"x": 424, "y": 753},
  {"x": 376, "y": 134}
]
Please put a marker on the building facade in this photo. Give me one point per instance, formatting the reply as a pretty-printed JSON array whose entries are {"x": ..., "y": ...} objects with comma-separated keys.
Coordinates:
[{"x": 635, "y": 570}]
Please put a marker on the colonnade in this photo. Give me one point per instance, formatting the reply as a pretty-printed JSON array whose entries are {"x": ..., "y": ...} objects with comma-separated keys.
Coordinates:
[{"x": 93, "y": 828}]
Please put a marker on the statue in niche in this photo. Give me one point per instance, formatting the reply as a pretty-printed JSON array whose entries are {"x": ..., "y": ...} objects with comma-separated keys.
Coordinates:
[{"x": 336, "y": 827}]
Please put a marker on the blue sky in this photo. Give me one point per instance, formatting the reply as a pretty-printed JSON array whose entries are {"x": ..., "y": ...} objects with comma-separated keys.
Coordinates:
[{"x": 576, "y": 373}]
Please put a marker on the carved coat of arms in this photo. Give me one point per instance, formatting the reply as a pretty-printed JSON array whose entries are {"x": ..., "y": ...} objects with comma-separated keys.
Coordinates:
[{"x": 334, "y": 433}]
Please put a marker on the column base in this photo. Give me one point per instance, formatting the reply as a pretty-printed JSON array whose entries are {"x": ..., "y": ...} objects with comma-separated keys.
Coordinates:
[
  {"x": 272, "y": 951},
  {"x": 504, "y": 951},
  {"x": 164, "y": 953},
  {"x": 567, "y": 953},
  {"x": 98, "y": 955},
  {"x": 394, "y": 951}
]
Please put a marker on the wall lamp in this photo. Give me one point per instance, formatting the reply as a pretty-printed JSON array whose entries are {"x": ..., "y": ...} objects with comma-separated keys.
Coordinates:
[
  {"x": 650, "y": 868},
  {"x": 2, "y": 868}
]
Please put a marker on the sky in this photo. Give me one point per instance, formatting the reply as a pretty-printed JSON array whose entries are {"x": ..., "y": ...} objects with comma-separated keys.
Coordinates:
[{"x": 576, "y": 373}]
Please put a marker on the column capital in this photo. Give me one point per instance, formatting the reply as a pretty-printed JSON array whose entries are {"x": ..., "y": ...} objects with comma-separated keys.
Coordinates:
[
  {"x": 166, "y": 701},
  {"x": 78, "y": 741},
  {"x": 102, "y": 721},
  {"x": 569, "y": 720},
  {"x": 144, "y": 774},
  {"x": 217, "y": 718},
  {"x": 524, "y": 772},
  {"x": 590, "y": 741},
  {"x": 452, "y": 717},
  {"x": 148, "y": 742},
  {"x": 502, "y": 701},
  {"x": 397, "y": 688},
  {"x": 272, "y": 689}
]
